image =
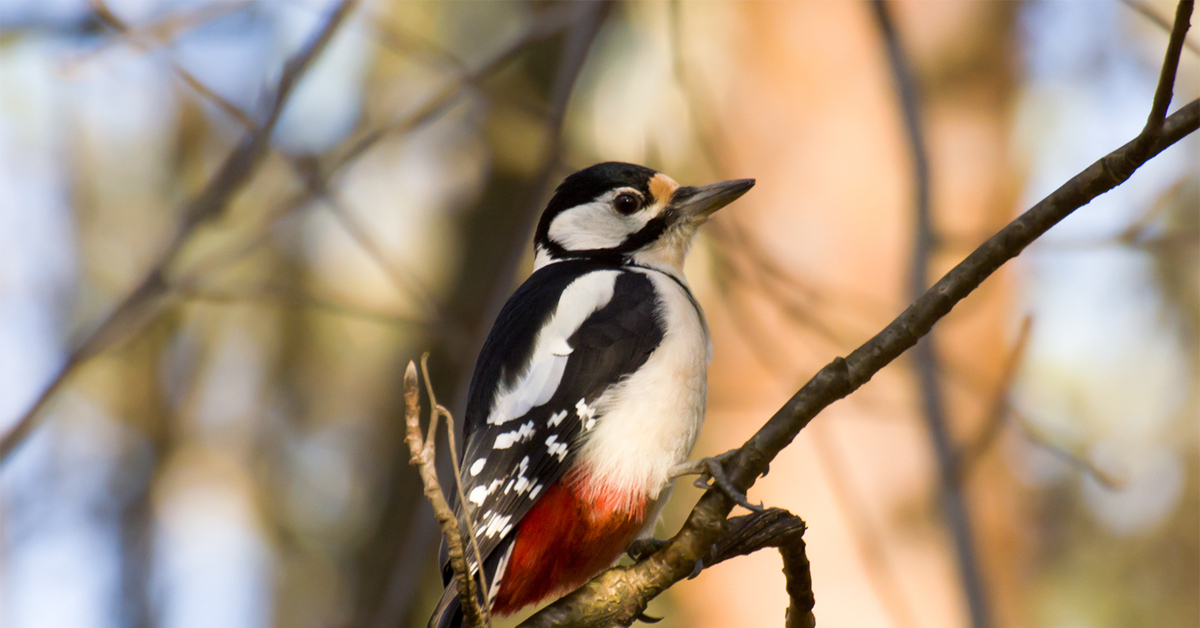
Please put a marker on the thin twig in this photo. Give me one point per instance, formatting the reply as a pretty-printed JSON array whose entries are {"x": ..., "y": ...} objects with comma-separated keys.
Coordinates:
[
  {"x": 142, "y": 304},
  {"x": 620, "y": 594},
  {"x": 454, "y": 463},
  {"x": 421, "y": 452}
]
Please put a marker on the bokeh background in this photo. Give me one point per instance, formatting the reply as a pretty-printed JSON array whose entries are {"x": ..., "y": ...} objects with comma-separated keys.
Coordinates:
[{"x": 229, "y": 452}]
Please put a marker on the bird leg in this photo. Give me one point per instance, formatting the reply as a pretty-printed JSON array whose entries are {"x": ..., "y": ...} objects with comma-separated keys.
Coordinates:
[{"x": 712, "y": 468}]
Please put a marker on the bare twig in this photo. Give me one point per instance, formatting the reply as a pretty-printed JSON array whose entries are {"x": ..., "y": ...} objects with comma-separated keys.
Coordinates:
[
  {"x": 620, "y": 594},
  {"x": 421, "y": 450},
  {"x": 925, "y": 357},
  {"x": 143, "y": 303},
  {"x": 454, "y": 462}
]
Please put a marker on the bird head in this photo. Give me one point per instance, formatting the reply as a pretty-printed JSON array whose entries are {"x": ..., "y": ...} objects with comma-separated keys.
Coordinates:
[{"x": 625, "y": 213}]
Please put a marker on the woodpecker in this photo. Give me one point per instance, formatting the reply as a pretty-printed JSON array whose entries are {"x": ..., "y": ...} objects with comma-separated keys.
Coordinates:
[{"x": 590, "y": 389}]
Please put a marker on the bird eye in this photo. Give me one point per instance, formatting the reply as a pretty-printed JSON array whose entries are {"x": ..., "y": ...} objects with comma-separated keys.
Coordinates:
[{"x": 626, "y": 203}]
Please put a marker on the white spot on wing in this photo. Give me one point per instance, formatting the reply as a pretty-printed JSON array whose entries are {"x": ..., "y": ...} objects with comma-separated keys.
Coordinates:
[
  {"x": 523, "y": 483},
  {"x": 478, "y": 494},
  {"x": 476, "y": 467},
  {"x": 557, "y": 418},
  {"x": 586, "y": 414},
  {"x": 505, "y": 440},
  {"x": 555, "y": 448},
  {"x": 497, "y": 525}
]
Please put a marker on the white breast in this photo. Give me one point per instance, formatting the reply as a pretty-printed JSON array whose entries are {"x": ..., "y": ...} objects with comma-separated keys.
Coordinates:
[{"x": 649, "y": 422}]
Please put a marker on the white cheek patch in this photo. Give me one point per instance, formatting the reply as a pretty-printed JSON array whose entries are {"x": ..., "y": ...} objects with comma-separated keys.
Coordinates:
[
  {"x": 541, "y": 377},
  {"x": 596, "y": 225}
]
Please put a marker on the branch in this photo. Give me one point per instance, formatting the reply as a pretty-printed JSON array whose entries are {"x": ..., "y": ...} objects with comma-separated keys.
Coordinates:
[
  {"x": 142, "y": 304},
  {"x": 421, "y": 450},
  {"x": 619, "y": 595}
]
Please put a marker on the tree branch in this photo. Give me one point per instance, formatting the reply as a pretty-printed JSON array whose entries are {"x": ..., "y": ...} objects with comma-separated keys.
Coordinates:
[{"x": 619, "y": 595}]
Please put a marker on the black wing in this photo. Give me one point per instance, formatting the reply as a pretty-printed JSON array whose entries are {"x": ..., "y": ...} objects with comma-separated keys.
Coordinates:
[{"x": 509, "y": 462}]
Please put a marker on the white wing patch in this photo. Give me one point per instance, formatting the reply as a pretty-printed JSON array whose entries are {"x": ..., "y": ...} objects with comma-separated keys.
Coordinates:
[
  {"x": 586, "y": 414},
  {"x": 507, "y": 439},
  {"x": 541, "y": 377},
  {"x": 555, "y": 448}
]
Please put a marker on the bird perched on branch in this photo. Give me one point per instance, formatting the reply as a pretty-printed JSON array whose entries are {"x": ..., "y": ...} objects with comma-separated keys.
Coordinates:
[{"x": 590, "y": 390}]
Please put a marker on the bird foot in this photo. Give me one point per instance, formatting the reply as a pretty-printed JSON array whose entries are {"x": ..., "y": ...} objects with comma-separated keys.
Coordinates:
[
  {"x": 712, "y": 467},
  {"x": 641, "y": 549}
]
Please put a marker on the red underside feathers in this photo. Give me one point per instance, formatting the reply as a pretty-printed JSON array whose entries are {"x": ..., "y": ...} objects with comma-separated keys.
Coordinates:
[{"x": 564, "y": 540}]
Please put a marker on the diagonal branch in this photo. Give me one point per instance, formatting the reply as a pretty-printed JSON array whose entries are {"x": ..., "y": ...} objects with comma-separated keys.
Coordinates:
[
  {"x": 142, "y": 304},
  {"x": 619, "y": 595}
]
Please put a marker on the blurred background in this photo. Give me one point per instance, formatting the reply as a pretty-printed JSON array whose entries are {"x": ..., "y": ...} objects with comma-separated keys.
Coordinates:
[{"x": 221, "y": 444}]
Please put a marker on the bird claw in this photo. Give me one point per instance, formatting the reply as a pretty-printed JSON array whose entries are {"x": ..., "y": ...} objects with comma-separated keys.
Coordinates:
[
  {"x": 696, "y": 570},
  {"x": 641, "y": 549},
  {"x": 712, "y": 467},
  {"x": 700, "y": 562},
  {"x": 649, "y": 619}
]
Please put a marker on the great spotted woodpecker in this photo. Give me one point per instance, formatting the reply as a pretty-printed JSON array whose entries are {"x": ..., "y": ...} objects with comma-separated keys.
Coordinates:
[{"x": 590, "y": 389}]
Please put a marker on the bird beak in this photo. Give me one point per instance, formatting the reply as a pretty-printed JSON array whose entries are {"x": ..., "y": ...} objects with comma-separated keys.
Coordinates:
[{"x": 700, "y": 203}]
